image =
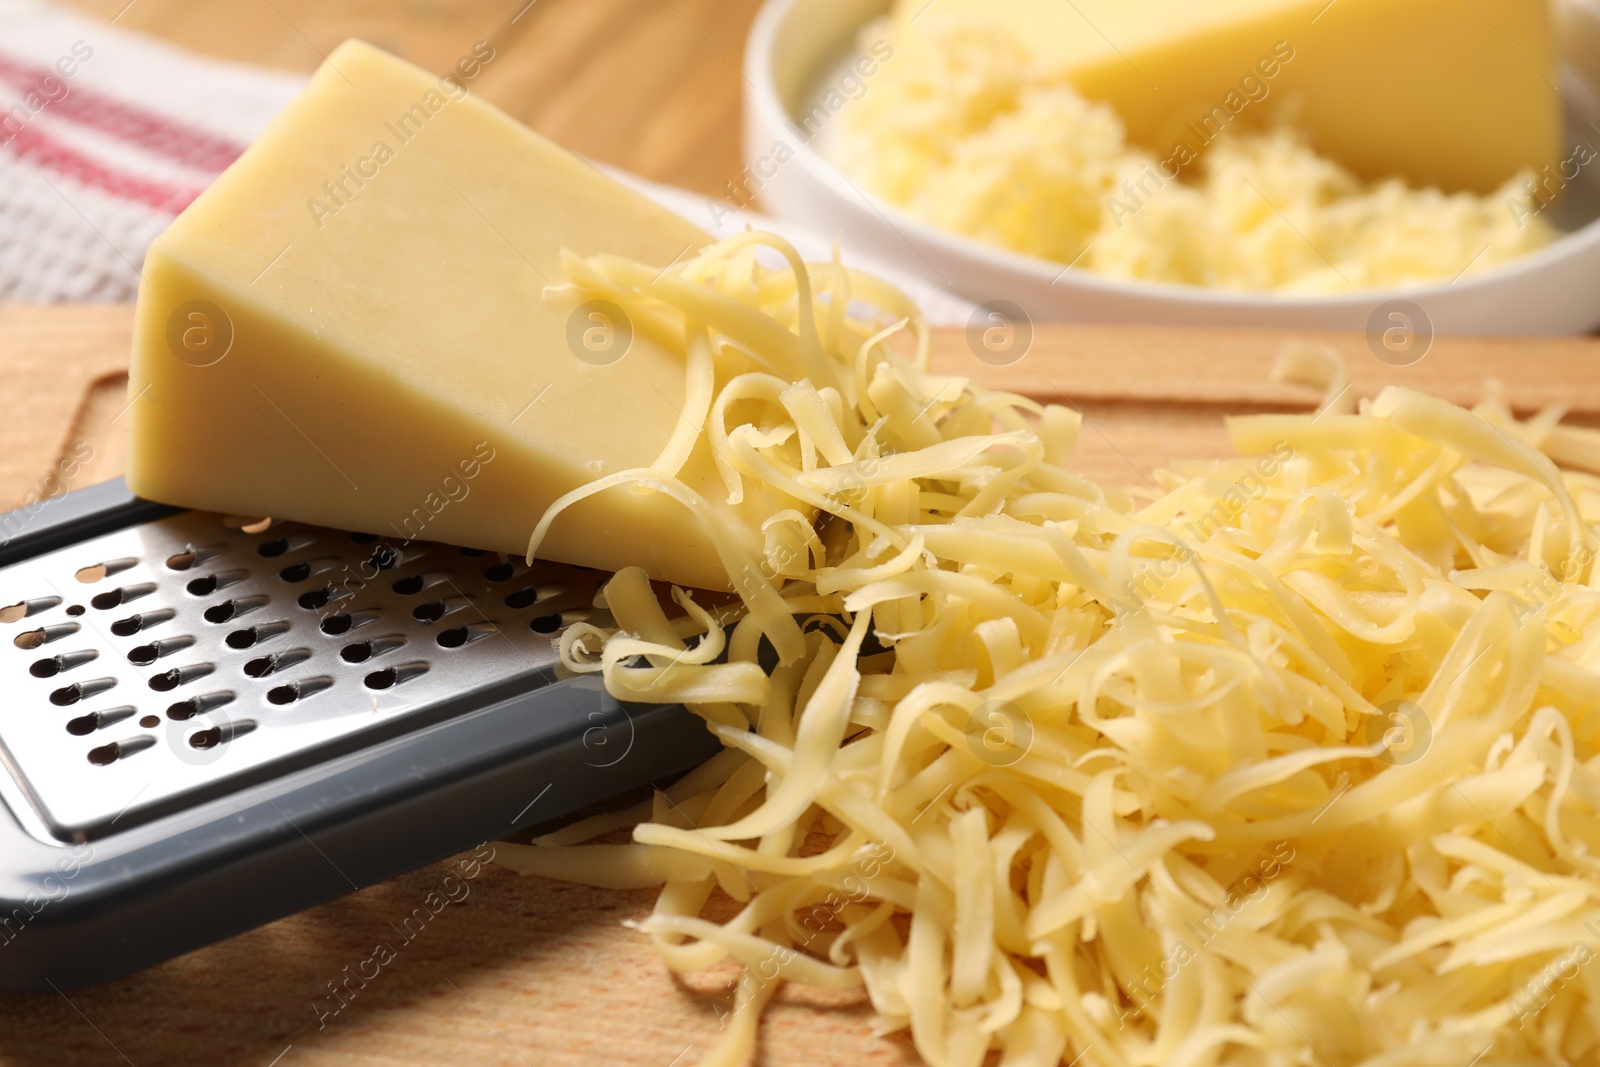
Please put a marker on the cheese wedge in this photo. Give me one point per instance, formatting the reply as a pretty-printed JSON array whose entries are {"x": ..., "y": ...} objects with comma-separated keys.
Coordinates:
[
  {"x": 1459, "y": 94},
  {"x": 348, "y": 328}
]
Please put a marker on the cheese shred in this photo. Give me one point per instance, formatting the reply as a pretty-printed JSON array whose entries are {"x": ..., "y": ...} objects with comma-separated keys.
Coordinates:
[
  {"x": 1292, "y": 760},
  {"x": 967, "y": 129}
]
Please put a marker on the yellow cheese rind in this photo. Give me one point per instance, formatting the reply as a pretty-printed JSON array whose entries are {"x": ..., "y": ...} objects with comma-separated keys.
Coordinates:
[
  {"x": 1442, "y": 93},
  {"x": 394, "y": 365}
]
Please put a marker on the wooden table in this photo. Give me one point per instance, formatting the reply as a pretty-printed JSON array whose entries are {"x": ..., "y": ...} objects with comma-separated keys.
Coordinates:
[
  {"x": 528, "y": 971},
  {"x": 650, "y": 85}
]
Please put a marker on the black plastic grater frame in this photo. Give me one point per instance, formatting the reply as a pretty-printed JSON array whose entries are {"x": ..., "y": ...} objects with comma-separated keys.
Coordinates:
[{"x": 205, "y": 728}]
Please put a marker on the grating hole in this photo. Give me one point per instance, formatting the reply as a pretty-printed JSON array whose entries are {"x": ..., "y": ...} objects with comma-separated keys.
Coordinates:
[
  {"x": 384, "y": 679},
  {"x": 546, "y": 624},
  {"x": 430, "y": 612},
  {"x": 231, "y": 609},
  {"x": 384, "y": 557},
  {"x": 473, "y": 552},
  {"x": 68, "y": 695},
  {"x": 84, "y": 725},
  {"x": 106, "y": 755},
  {"x": 362, "y": 651},
  {"x": 390, "y": 677},
  {"x": 167, "y": 681},
  {"x": 409, "y": 585},
  {"x": 97, "y": 571},
  {"x": 295, "y": 572},
  {"x": 528, "y": 596},
  {"x": 316, "y": 598},
  {"x": 262, "y": 666},
  {"x": 293, "y": 691},
  {"x": 150, "y": 722},
  {"x": 205, "y": 739},
  {"x": 275, "y": 547},
  {"x": 148, "y": 654},
  {"x": 185, "y": 560},
  {"x": 75, "y": 609},
  {"x": 203, "y": 586},
  {"x": 143, "y": 621},
  {"x": 198, "y": 705},
  {"x": 221, "y": 735},
  {"x": 115, "y": 597},
  {"x": 342, "y": 623},
  {"x": 23, "y": 608},
  {"x": 33, "y": 639},
  {"x": 453, "y": 638},
  {"x": 500, "y": 572}
]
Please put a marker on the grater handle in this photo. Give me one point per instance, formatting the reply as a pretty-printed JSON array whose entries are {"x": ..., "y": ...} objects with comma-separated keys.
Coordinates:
[
  {"x": 492, "y": 759},
  {"x": 117, "y": 905}
]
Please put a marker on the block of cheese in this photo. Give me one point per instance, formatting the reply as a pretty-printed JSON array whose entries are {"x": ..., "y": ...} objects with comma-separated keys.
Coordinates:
[
  {"x": 348, "y": 328},
  {"x": 1459, "y": 94}
]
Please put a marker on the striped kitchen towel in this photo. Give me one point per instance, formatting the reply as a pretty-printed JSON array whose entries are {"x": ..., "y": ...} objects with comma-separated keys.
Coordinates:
[{"x": 105, "y": 135}]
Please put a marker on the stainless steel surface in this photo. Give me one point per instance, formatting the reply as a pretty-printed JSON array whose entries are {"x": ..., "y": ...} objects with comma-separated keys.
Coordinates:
[{"x": 171, "y": 660}]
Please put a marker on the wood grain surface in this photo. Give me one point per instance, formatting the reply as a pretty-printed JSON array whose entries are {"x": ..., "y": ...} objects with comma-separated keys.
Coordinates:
[
  {"x": 653, "y": 86},
  {"x": 532, "y": 972},
  {"x": 526, "y": 971},
  {"x": 1148, "y": 394}
]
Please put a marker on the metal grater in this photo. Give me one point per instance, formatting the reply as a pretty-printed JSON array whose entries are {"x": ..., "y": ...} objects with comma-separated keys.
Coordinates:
[{"x": 207, "y": 725}]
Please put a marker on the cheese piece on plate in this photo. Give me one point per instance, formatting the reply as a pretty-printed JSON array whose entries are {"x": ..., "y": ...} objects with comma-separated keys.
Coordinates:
[
  {"x": 348, "y": 328},
  {"x": 1459, "y": 94}
]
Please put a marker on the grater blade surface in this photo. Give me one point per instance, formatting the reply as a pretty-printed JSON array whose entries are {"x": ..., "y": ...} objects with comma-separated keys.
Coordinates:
[{"x": 163, "y": 664}]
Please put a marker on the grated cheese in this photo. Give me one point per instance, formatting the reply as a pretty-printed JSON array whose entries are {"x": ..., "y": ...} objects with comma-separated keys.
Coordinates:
[
  {"x": 964, "y": 129},
  {"x": 1295, "y": 760}
]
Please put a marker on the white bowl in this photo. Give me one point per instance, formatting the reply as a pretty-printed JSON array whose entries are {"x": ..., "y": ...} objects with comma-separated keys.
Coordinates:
[{"x": 795, "y": 44}]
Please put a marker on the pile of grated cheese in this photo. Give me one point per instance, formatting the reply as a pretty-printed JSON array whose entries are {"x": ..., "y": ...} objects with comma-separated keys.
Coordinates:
[
  {"x": 964, "y": 129},
  {"x": 1295, "y": 761}
]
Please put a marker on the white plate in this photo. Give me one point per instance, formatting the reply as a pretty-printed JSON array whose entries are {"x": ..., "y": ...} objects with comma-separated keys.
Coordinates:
[{"x": 795, "y": 44}]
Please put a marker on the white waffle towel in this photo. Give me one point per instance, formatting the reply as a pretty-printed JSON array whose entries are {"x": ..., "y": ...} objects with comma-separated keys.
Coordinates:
[{"x": 104, "y": 137}]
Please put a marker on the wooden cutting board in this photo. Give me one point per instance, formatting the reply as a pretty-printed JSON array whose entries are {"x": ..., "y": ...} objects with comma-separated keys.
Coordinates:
[
  {"x": 531, "y": 972},
  {"x": 1148, "y": 394}
]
